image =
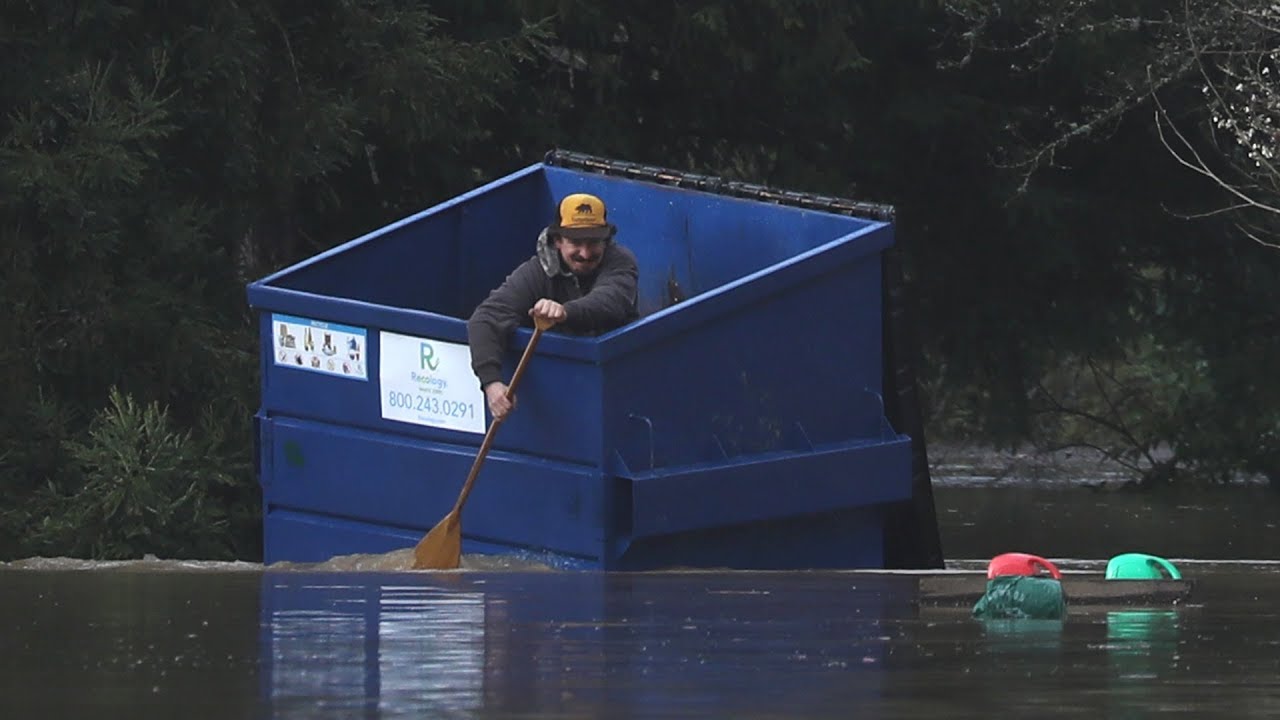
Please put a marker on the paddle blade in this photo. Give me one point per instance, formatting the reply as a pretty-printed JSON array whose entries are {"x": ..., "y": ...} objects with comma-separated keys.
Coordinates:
[{"x": 440, "y": 549}]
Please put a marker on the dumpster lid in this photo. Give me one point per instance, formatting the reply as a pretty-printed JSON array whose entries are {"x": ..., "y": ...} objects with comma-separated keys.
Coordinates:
[{"x": 718, "y": 185}]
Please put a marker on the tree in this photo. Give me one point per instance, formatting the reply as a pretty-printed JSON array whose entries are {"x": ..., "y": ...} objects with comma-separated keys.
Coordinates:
[
  {"x": 1224, "y": 49},
  {"x": 153, "y": 161},
  {"x": 1198, "y": 73},
  {"x": 1236, "y": 55}
]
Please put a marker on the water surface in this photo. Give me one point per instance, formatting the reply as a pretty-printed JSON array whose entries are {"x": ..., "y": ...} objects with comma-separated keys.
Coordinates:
[
  {"x": 357, "y": 638},
  {"x": 229, "y": 643}
]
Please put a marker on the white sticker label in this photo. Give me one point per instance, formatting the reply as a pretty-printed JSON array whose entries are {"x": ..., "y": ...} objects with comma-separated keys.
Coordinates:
[
  {"x": 429, "y": 382},
  {"x": 318, "y": 346}
]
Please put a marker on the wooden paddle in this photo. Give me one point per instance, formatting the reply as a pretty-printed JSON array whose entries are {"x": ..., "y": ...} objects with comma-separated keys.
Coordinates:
[{"x": 441, "y": 549}]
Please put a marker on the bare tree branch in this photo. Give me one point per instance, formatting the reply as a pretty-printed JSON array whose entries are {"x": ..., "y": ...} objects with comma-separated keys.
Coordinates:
[{"x": 1227, "y": 49}]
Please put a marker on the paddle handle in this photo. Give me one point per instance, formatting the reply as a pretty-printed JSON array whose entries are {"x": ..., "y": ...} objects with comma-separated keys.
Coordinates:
[
  {"x": 540, "y": 325},
  {"x": 524, "y": 359}
]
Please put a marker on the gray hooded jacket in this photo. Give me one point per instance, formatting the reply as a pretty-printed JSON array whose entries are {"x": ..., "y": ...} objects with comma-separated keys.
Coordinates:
[{"x": 593, "y": 304}]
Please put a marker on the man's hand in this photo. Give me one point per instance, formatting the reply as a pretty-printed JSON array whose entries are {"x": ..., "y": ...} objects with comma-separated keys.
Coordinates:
[
  {"x": 495, "y": 393},
  {"x": 549, "y": 310}
]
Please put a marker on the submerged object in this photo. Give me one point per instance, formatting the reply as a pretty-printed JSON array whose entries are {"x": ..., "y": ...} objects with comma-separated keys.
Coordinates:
[
  {"x": 1018, "y": 588},
  {"x": 1022, "y": 597}
]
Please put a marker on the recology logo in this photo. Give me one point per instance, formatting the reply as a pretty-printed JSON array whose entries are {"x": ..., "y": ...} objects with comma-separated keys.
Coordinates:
[
  {"x": 427, "y": 357},
  {"x": 427, "y": 360}
]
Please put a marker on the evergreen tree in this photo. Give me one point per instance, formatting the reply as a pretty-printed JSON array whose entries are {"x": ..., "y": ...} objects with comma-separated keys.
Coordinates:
[{"x": 152, "y": 159}]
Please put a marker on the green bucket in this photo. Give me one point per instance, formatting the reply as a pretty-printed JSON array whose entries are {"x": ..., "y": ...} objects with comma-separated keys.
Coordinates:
[
  {"x": 1022, "y": 597},
  {"x": 1140, "y": 566}
]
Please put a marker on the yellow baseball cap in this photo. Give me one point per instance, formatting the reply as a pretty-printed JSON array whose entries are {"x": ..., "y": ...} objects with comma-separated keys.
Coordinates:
[{"x": 583, "y": 217}]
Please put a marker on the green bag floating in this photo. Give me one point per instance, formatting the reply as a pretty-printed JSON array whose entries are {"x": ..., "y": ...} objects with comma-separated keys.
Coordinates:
[{"x": 1022, "y": 596}]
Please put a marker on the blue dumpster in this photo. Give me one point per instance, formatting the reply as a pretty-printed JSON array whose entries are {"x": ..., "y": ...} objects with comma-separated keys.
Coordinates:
[{"x": 738, "y": 423}]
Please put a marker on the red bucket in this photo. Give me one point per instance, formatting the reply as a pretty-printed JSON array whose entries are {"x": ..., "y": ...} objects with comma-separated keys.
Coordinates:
[{"x": 1016, "y": 563}]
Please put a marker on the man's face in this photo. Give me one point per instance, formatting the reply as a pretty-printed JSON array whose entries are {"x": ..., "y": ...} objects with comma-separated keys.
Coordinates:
[{"x": 581, "y": 256}]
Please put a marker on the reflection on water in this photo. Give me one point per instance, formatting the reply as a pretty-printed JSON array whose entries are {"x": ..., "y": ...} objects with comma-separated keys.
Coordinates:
[
  {"x": 1141, "y": 643},
  {"x": 574, "y": 643},
  {"x": 1021, "y": 636},
  {"x": 1142, "y": 651},
  {"x": 350, "y": 648}
]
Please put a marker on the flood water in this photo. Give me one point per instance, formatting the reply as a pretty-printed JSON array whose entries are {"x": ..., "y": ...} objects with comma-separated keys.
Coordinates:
[{"x": 163, "y": 639}]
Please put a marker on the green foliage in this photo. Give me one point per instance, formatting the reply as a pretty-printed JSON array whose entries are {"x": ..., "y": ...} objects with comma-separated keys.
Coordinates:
[
  {"x": 1219, "y": 321},
  {"x": 140, "y": 486},
  {"x": 152, "y": 162},
  {"x": 714, "y": 86}
]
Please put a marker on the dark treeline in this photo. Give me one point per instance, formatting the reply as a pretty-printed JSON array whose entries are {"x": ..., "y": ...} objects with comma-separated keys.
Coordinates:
[{"x": 1074, "y": 282}]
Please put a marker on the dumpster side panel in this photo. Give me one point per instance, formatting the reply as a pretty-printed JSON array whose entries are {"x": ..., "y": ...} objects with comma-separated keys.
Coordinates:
[
  {"x": 350, "y": 477},
  {"x": 843, "y": 539},
  {"x": 761, "y": 404},
  {"x": 558, "y": 405},
  {"x": 292, "y": 387},
  {"x": 290, "y": 384},
  {"x": 779, "y": 373},
  {"x": 771, "y": 486},
  {"x": 558, "y": 395},
  {"x": 293, "y": 536}
]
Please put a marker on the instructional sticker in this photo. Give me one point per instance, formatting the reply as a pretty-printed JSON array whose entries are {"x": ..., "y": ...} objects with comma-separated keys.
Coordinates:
[
  {"x": 319, "y": 346},
  {"x": 429, "y": 382}
]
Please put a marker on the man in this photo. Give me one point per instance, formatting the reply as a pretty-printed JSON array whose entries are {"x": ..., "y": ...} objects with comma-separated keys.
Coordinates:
[{"x": 579, "y": 279}]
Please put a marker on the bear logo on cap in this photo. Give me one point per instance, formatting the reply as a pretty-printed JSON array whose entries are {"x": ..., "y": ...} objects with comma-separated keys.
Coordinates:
[{"x": 583, "y": 216}]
